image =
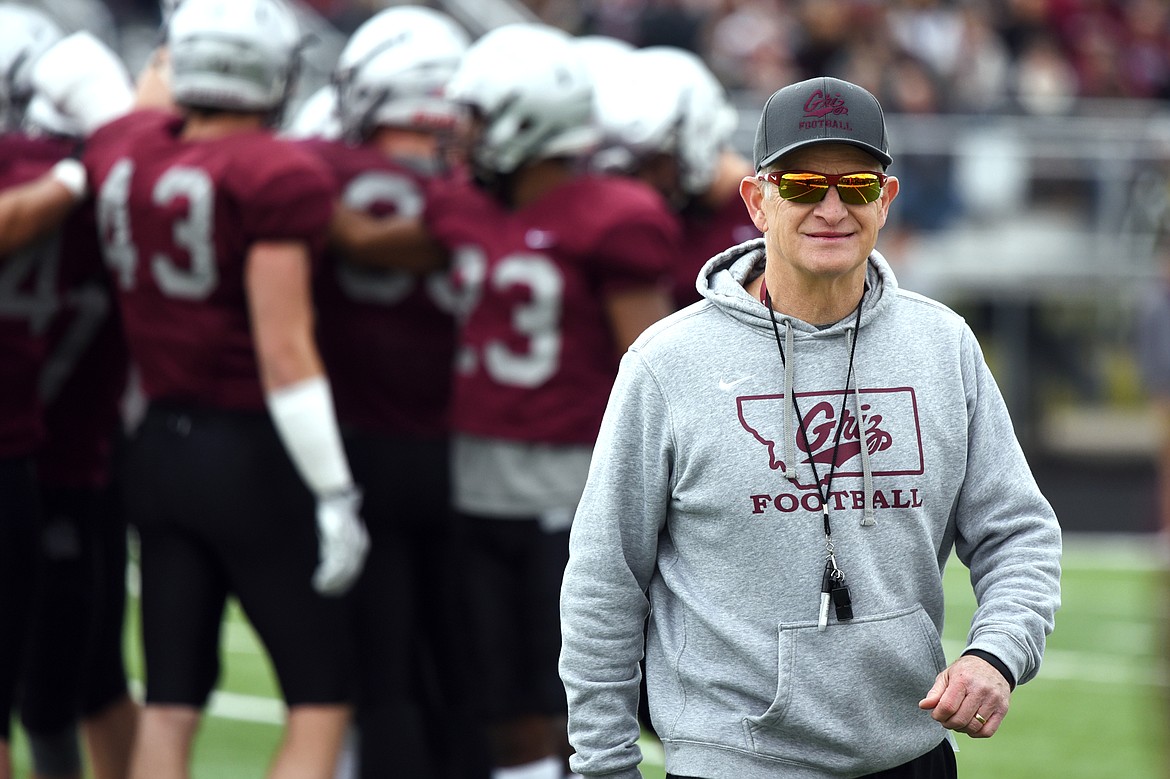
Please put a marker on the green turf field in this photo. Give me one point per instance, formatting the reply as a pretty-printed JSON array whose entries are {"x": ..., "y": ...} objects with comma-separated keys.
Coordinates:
[{"x": 1098, "y": 710}]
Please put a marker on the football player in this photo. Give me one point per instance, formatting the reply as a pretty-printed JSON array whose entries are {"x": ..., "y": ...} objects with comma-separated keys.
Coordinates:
[
  {"x": 74, "y": 672},
  {"x": 557, "y": 272},
  {"x": 25, "y": 34},
  {"x": 667, "y": 120},
  {"x": 387, "y": 338},
  {"x": 209, "y": 225}
]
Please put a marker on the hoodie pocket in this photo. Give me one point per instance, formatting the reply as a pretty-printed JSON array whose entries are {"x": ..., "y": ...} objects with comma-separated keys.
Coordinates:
[{"x": 852, "y": 690}]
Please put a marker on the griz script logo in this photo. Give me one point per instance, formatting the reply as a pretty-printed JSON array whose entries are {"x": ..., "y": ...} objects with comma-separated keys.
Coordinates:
[
  {"x": 889, "y": 429},
  {"x": 823, "y": 111}
]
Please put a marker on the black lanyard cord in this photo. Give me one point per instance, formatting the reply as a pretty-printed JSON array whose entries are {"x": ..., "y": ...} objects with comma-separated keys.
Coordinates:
[{"x": 766, "y": 299}]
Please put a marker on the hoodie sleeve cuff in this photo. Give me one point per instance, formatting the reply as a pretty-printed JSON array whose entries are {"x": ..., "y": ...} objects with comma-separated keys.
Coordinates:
[{"x": 995, "y": 662}]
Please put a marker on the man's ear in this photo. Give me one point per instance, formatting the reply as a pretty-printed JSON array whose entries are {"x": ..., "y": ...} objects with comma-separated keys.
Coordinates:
[
  {"x": 753, "y": 198},
  {"x": 889, "y": 192}
]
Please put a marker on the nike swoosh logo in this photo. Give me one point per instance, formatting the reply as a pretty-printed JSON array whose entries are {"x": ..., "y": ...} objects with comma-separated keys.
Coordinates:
[{"x": 729, "y": 385}]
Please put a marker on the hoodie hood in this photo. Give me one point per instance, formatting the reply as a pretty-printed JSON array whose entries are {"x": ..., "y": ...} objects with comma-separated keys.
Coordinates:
[{"x": 722, "y": 282}]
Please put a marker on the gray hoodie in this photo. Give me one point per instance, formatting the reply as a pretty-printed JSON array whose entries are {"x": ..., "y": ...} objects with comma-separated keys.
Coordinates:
[{"x": 700, "y": 529}]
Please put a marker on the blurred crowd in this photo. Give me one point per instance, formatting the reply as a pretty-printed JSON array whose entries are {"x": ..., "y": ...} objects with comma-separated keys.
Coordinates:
[
  {"x": 918, "y": 56},
  {"x": 983, "y": 55}
]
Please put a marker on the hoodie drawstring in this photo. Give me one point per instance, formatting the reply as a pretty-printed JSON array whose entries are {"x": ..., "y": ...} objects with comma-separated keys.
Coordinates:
[
  {"x": 789, "y": 410},
  {"x": 867, "y": 517}
]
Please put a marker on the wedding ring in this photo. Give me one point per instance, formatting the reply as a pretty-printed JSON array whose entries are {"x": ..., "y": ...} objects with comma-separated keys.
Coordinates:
[{"x": 981, "y": 718}]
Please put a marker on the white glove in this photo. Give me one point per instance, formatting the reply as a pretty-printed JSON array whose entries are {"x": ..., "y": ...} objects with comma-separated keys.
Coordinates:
[
  {"x": 343, "y": 541},
  {"x": 85, "y": 81}
]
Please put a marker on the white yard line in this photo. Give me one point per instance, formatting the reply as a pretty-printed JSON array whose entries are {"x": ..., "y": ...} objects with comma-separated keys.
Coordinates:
[
  {"x": 260, "y": 709},
  {"x": 246, "y": 708}
]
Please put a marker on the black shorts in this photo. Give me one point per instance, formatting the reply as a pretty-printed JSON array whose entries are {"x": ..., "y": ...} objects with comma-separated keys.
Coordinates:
[
  {"x": 411, "y": 645},
  {"x": 75, "y": 664},
  {"x": 19, "y": 518},
  {"x": 220, "y": 511},
  {"x": 406, "y": 508},
  {"x": 514, "y": 573}
]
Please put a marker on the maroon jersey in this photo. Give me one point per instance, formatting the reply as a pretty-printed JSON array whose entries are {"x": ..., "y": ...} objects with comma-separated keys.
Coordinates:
[
  {"x": 387, "y": 337},
  {"x": 28, "y": 301},
  {"x": 176, "y": 220},
  {"x": 536, "y": 356},
  {"x": 86, "y": 367},
  {"x": 705, "y": 234}
]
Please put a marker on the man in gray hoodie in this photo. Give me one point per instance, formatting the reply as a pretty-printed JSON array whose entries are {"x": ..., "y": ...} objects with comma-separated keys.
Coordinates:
[{"x": 783, "y": 470}]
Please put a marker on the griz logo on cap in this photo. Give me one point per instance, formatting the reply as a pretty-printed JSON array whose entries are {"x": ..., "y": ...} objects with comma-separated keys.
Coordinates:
[{"x": 820, "y": 105}]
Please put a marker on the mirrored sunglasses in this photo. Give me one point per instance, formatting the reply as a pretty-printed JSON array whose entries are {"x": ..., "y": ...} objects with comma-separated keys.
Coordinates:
[{"x": 807, "y": 186}]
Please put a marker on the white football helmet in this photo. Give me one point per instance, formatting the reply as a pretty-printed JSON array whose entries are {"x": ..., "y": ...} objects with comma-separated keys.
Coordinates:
[
  {"x": 664, "y": 100},
  {"x": 393, "y": 70},
  {"x": 235, "y": 55},
  {"x": 531, "y": 93},
  {"x": 25, "y": 34},
  {"x": 316, "y": 117},
  {"x": 601, "y": 52},
  {"x": 43, "y": 118}
]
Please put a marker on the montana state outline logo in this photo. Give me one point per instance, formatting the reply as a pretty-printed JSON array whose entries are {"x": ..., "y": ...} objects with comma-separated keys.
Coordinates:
[{"x": 889, "y": 429}]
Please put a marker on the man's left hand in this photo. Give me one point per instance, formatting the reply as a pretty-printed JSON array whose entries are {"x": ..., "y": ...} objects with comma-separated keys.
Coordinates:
[{"x": 970, "y": 696}]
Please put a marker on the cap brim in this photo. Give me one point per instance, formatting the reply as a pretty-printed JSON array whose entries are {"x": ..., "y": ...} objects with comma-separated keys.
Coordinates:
[{"x": 883, "y": 157}]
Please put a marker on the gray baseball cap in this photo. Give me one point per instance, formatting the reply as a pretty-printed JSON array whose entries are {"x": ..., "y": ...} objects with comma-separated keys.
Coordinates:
[{"x": 821, "y": 110}]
